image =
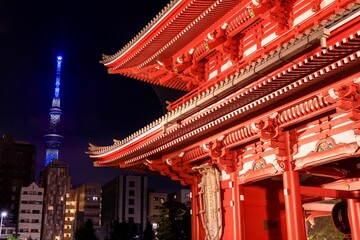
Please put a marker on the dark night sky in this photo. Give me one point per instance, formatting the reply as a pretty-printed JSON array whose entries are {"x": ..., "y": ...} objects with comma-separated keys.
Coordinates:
[{"x": 97, "y": 107}]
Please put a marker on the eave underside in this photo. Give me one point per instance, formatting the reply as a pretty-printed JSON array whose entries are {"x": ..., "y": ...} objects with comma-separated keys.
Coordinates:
[
  {"x": 257, "y": 94},
  {"x": 154, "y": 58},
  {"x": 319, "y": 63},
  {"x": 173, "y": 35}
]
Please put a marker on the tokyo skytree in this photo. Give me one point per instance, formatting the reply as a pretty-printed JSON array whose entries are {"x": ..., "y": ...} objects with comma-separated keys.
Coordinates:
[{"x": 53, "y": 140}]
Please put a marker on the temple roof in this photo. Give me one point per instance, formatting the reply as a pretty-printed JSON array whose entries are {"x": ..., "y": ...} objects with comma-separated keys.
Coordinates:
[
  {"x": 257, "y": 83},
  {"x": 171, "y": 30},
  {"x": 175, "y": 127}
]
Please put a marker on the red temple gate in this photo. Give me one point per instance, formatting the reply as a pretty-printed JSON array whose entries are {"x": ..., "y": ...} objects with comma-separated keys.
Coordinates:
[{"x": 270, "y": 125}]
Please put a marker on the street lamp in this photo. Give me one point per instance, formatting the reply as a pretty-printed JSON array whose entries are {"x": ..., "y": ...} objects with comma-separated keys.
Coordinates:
[{"x": 3, "y": 214}]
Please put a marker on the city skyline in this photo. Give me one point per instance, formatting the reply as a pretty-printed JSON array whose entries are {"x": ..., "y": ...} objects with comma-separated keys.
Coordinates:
[{"x": 96, "y": 106}]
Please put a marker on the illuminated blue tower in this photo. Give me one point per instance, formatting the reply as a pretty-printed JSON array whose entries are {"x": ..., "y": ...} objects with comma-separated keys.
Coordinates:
[{"x": 53, "y": 140}]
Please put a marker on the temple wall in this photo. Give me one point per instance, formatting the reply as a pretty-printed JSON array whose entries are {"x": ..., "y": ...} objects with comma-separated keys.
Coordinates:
[
  {"x": 257, "y": 213},
  {"x": 311, "y": 131},
  {"x": 264, "y": 213}
]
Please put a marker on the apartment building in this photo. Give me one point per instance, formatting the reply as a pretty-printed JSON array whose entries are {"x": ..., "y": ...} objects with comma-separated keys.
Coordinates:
[
  {"x": 30, "y": 212},
  {"x": 88, "y": 200},
  {"x": 156, "y": 201},
  {"x": 17, "y": 169},
  {"x": 124, "y": 199},
  {"x": 56, "y": 182},
  {"x": 70, "y": 214}
]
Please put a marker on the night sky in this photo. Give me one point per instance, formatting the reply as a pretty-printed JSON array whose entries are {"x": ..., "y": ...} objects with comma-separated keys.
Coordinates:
[{"x": 97, "y": 106}]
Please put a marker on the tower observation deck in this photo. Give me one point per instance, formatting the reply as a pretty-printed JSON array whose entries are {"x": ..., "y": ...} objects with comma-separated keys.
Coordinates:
[{"x": 53, "y": 140}]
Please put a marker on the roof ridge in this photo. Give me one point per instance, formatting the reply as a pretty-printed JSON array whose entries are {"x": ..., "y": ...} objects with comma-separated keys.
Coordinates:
[{"x": 107, "y": 58}]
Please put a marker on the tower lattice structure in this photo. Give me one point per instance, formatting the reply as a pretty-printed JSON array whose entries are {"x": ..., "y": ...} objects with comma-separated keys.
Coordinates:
[{"x": 53, "y": 139}]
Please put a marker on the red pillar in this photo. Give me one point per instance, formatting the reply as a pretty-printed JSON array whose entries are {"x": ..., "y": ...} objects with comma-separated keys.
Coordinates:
[
  {"x": 194, "y": 212},
  {"x": 241, "y": 210},
  {"x": 354, "y": 218},
  {"x": 295, "y": 222},
  {"x": 238, "y": 209}
]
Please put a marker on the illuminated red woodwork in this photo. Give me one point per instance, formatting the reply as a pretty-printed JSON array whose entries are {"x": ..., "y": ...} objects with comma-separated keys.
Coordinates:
[{"x": 273, "y": 104}]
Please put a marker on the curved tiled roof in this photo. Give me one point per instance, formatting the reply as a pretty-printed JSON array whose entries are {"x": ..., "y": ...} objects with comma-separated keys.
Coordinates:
[
  {"x": 108, "y": 58},
  {"x": 190, "y": 20},
  {"x": 325, "y": 57},
  {"x": 252, "y": 91}
]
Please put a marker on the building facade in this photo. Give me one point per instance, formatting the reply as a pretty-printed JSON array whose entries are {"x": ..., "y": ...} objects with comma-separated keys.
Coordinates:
[
  {"x": 30, "y": 212},
  {"x": 56, "y": 182},
  {"x": 88, "y": 204},
  {"x": 70, "y": 214},
  {"x": 182, "y": 195},
  {"x": 156, "y": 201},
  {"x": 17, "y": 169},
  {"x": 124, "y": 199}
]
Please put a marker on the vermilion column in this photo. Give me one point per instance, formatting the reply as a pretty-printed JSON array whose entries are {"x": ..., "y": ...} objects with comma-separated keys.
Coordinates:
[
  {"x": 295, "y": 223},
  {"x": 194, "y": 212},
  {"x": 238, "y": 209},
  {"x": 241, "y": 213},
  {"x": 354, "y": 218}
]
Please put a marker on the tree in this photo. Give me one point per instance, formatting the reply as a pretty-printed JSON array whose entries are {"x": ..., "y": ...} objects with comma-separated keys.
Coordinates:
[
  {"x": 133, "y": 232},
  {"x": 175, "y": 222},
  {"x": 86, "y": 232},
  {"x": 164, "y": 229},
  {"x": 186, "y": 221},
  {"x": 148, "y": 233},
  {"x": 324, "y": 229},
  {"x": 119, "y": 231}
]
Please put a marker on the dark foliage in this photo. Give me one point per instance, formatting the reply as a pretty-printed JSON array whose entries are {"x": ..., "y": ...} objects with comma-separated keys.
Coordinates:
[
  {"x": 148, "y": 233},
  {"x": 119, "y": 231},
  {"x": 323, "y": 229},
  {"x": 175, "y": 222},
  {"x": 86, "y": 232},
  {"x": 133, "y": 232}
]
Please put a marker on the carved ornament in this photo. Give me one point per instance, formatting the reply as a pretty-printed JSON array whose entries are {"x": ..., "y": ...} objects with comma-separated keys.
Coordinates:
[
  {"x": 261, "y": 170},
  {"x": 268, "y": 130},
  {"x": 180, "y": 170},
  {"x": 281, "y": 13},
  {"x": 325, "y": 152},
  {"x": 348, "y": 99},
  {"x": 210, "y": 201},
  {"x": 220, "y": 155}
]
